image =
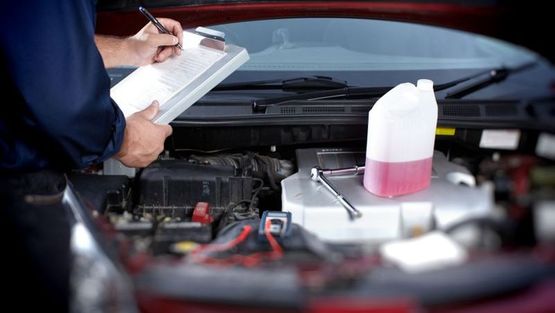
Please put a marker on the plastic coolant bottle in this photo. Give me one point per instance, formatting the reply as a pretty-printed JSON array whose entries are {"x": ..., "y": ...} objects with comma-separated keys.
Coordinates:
[{"x": 401, "y": 133}]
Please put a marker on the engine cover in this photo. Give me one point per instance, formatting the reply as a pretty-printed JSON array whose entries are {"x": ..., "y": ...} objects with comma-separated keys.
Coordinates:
[
  {"x": 174, "y": 187},
  {"x": 451, "y": 198}
]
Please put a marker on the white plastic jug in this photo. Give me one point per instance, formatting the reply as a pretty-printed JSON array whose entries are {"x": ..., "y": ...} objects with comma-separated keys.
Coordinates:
[{"x": 401, "y": 135}]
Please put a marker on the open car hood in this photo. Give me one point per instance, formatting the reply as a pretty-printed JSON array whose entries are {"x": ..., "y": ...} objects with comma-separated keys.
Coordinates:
[{"x": 518, "y": 22}]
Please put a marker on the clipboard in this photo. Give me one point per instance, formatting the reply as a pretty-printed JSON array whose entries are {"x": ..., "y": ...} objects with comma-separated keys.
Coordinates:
[
  {"x": 177, "y": 83},
  {"x": 137, "y": 91}
]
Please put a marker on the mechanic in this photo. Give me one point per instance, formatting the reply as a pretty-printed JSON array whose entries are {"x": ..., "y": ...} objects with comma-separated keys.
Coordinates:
[{"x": 57, "y": 115}]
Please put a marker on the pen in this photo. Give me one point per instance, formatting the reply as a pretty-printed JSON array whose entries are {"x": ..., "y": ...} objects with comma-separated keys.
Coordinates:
[{"x": 156, "y": 23}]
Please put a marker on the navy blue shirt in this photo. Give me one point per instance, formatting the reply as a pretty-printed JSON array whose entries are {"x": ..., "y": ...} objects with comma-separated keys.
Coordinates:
[{"x": 55, "y": 106}]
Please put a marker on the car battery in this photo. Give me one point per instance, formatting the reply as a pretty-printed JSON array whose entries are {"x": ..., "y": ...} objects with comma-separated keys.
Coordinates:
[{"x": 451, "y": 198}]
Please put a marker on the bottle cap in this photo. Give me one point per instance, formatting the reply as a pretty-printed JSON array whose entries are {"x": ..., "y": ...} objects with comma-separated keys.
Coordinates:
[{"x": 425, "y": 85}]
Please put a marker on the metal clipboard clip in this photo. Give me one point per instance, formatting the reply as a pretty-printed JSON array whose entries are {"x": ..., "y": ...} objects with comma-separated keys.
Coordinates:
[{"x": 212, "y": 38}]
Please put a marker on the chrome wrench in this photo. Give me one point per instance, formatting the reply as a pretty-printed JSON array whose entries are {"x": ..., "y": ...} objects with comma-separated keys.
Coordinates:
[{"x": 318, "y": 175}]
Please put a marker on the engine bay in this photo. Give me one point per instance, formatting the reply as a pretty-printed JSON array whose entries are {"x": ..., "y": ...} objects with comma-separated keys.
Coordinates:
[
  {"x": 254, "y": 228},
  {"x": 191, "y": 200}
]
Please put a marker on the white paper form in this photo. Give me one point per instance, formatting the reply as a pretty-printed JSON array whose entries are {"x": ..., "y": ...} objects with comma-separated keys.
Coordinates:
[
  {"x": 176, "y": 83},
  {"x": 162, "y": 81}
]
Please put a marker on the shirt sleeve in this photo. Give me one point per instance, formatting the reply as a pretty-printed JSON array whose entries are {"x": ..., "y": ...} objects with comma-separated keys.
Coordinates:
[{"x": 53, "y": 61}]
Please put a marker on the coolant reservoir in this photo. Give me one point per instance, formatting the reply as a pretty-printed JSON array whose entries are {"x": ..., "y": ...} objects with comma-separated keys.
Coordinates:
[{"x": 401, "y": 133}]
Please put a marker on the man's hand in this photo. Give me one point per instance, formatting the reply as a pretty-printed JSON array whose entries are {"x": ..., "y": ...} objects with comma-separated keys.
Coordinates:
[
  {"x": 150, "y": 46},
  {"x": 145, "y": 47},
  {"x": 143, "y": 140}
]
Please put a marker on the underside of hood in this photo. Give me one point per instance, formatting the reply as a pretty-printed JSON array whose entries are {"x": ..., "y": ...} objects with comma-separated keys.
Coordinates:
[{"x": 518, "y": 22}]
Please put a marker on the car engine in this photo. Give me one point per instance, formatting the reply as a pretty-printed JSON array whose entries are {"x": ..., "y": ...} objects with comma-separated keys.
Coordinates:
[
  {"x": 191, "y": 199},
  {"x": 256, "y": 228}
]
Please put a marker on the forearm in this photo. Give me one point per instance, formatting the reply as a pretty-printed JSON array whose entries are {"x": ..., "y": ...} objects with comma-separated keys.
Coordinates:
[{"x": 112, "y": 49}]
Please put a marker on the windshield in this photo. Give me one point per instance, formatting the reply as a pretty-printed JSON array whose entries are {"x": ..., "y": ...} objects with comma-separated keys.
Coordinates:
[{"x": 341, "y": 44}]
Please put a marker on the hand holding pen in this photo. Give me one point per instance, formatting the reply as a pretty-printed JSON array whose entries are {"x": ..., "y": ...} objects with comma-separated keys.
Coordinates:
[{"x": 160, "y": 27}]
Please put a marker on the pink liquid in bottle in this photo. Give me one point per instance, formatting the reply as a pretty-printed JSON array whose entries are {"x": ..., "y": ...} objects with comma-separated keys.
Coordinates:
[{"x": 387, "y": 179}]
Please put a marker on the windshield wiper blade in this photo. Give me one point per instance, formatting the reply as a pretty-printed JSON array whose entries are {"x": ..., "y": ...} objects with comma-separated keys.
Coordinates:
[
  {"x": 308, "y": 83},
  {"x": 492, "y": 77},
  {"x": 259, "y": 105},
  {"x": 347, "y": 92}
]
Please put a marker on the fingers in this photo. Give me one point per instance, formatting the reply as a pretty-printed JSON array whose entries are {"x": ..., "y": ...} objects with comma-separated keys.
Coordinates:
[
  {"x": 166, "y": 43},
  {"x": 143, "y": 140},
  {"x": 157, "y": 40},
  {"x": 174, "y": 27},
  {"x": 158, "y": 47},
  {"x": 167, "y": 129},
  {"x": 150, "y": 112},
  {"x": 164, "y": 54}
]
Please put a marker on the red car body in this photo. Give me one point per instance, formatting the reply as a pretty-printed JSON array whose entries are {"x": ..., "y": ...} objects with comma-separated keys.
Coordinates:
[{"x": 502, "y": 20}]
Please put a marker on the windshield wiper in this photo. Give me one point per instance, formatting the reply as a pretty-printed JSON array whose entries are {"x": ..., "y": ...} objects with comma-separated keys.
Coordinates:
[
  {"x": 492, "y": 77},
  {"x": 346, "y": 92},
  {"x": 308, "y": 83},
  {"x": 501, "y": 73}
]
